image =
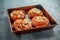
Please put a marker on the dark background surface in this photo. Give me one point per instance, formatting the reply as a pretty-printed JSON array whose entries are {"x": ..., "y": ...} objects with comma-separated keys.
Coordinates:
[{"x": 53, "y": 8}]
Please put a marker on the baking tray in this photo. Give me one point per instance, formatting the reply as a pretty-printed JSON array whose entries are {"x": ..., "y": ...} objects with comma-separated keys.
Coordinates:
[{"x": 27, "y": 8}]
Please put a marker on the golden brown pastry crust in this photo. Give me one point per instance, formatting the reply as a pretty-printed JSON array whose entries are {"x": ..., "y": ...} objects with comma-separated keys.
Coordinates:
[
  {"x": 17, "y": 25},
  {"x": 22, "y": 24},
  {"x": 34, "y": 12},
  {"x": 17, "y": 14},
  {"x": 39, "y": 21}
]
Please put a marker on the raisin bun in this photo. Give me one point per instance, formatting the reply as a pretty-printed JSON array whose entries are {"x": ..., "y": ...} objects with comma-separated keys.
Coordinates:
[
  {"x": 27, "y": 24},
  {"x": 17, "y": 25},
  {"x": 17, "y": 14},
  {"x": 34, "y": 12},
  {"x": 39, "y": 21}
]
